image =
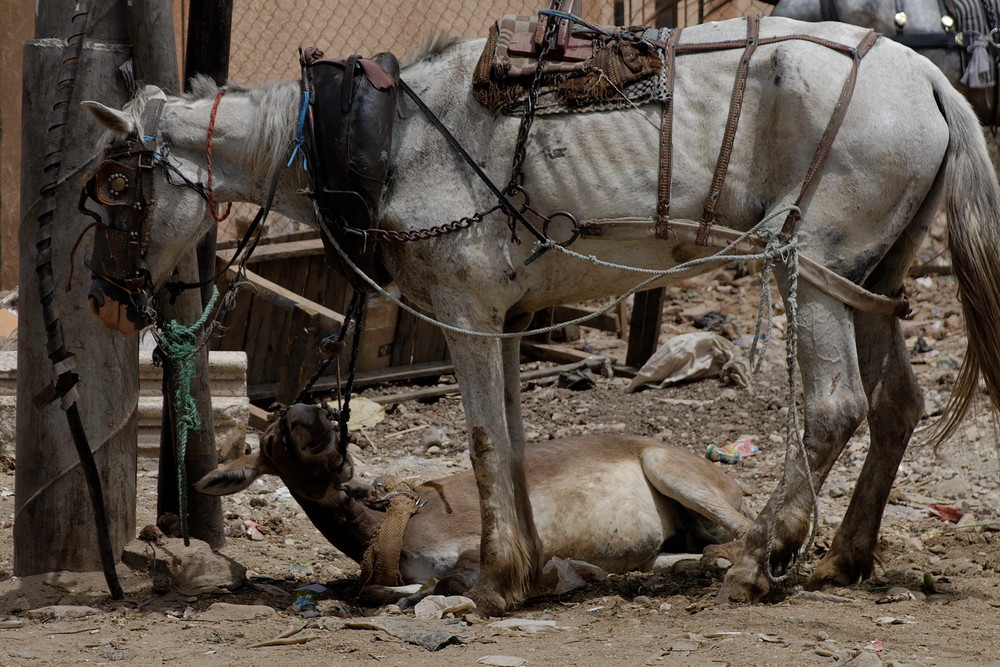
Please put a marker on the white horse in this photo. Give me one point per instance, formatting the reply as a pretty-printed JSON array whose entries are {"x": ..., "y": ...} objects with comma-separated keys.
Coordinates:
[{"x": 909, "y": 143}]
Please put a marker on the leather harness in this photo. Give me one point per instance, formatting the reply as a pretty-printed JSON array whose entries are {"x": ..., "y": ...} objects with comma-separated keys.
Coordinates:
[{"x": 672, "y": 49}]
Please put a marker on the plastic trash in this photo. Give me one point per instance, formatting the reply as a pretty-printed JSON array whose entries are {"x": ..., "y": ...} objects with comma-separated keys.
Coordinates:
[{"x": 732, "y": 452}]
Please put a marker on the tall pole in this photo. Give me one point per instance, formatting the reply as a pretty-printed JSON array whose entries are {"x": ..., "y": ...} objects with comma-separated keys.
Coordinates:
[
  {"x": 155, "y": 61},
  {"x": 207, "y": 52},
  {"x": 54, "y": 515}
]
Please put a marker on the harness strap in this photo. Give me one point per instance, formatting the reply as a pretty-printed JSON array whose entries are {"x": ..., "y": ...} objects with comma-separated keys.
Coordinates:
[
  {"x": 735, "y": 108},
  {"x": 832, "y": 128},
  {"x": 667, "y": 137}
]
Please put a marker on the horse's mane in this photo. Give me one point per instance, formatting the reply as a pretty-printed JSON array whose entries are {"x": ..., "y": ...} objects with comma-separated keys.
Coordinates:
[
  {"x": 434, "y": 45},
  {"x": 273, "y": 115}
]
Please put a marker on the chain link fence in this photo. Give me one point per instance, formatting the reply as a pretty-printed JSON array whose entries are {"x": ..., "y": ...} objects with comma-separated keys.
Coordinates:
[{"x": 266, "y": 35}]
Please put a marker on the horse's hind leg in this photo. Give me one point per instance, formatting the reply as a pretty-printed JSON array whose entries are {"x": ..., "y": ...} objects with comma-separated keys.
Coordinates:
[
  {"x": 895, "y": 406},
  {"x": 835, "y": 406}
]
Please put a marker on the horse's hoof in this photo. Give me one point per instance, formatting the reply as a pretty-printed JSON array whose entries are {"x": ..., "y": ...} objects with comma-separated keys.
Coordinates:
[
  {"x": 731, "y": 551},
  {"x": 744, "y": 583},
  {"x": 837, "y": 570},
  {"x": 488, "y": 601}
]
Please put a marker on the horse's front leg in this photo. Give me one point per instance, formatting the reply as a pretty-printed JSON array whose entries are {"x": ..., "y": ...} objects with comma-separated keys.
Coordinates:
[
  {"x": 835, "y": 405},
  {"x": 510, "y": 550}
]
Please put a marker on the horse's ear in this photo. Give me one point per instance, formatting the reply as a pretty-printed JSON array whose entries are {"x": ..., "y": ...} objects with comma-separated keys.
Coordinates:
[
  {"x": 234, "y": 476},
  {"x": 114, "y": 120}
]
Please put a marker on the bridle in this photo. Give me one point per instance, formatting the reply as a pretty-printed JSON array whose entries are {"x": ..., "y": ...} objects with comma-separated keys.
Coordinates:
[{"x": 123, "y": 185}]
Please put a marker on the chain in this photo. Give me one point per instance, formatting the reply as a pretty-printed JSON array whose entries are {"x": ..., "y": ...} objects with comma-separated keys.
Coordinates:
[
  {"x": 425, "y": 232},
  {"x": 528, "y": 118}
]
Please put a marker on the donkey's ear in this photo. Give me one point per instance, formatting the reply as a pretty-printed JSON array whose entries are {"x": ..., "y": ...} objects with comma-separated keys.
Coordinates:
[
  {"x": 234, "y": 476},
  {"x": 114, "y": 120}
]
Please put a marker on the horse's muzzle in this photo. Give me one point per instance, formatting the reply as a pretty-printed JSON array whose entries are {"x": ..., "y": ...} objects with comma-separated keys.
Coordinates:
[{"x": 116, "y": 308}]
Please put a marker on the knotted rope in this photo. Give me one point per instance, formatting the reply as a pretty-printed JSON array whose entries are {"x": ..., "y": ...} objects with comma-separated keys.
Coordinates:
[
  {"x": 380, "y": 565},
  {"x": 178, "y": 345}
]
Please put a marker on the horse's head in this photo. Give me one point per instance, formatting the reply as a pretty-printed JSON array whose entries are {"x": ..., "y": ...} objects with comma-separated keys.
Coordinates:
[
  {"x": 300, "y": 446},
  {"x": 153, "y": 204}
]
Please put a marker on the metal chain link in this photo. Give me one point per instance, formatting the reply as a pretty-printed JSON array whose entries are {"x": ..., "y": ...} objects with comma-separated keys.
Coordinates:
[
  {"x": 528, "y": 118},
  {"x": 410, "y": 235}
]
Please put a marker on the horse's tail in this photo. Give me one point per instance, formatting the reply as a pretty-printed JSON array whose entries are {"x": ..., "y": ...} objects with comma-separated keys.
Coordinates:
[{"x": 973, "y": 207}]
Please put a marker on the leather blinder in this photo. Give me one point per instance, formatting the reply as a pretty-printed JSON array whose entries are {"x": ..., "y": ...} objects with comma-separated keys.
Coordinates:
[{"x": 114, "y": 183}]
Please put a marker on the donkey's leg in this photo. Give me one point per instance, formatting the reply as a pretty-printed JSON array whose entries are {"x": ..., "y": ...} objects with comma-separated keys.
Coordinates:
[
  {"x": 510, "y": 549},
  {"x": 835, "y": 405}
]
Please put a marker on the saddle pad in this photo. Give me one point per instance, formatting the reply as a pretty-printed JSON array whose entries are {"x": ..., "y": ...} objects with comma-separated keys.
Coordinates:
[
  {"x": 516, "y": 52},
  {"x": 611, "y": 67}
]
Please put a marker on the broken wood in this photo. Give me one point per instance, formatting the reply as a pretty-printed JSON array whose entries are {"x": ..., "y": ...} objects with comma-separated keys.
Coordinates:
[
  {"x": 286, "y": 298},
  {"x": 593, "y": 362},
  {"x": 556, "y": 353},
  {"x": 363, "y": 378},
  {"x": 276, "y": 251}
]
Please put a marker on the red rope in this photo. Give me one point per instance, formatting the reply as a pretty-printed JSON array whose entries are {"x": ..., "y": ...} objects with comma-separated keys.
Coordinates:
[{"x": 208, "y": 157}]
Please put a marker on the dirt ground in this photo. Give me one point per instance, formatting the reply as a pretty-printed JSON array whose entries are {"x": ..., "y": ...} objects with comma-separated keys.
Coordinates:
[{"x": 935, "y": 599}]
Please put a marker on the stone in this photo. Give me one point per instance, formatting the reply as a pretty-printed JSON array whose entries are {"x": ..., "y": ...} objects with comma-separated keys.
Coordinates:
[
  {"x": 432, "y": 437},
  {"x": 225, "y": 611},
  {"x": 190, "y": 570},
  {"x": 61, "y": 612}
]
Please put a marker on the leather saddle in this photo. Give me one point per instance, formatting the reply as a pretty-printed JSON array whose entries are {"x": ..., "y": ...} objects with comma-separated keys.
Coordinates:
[{"x": 348, "y": 141}]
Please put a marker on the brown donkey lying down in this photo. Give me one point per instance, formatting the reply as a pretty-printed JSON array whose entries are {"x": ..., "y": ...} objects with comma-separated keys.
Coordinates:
[{"x": 613, "y": 501}]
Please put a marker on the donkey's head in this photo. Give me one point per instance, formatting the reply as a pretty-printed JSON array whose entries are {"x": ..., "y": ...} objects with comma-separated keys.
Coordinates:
[{"x": 300, "y": 446}]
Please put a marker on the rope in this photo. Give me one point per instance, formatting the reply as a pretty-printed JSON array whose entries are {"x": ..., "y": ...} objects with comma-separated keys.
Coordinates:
[
  {"x": 655, "y": 274},
  {"x": 793, "y": 436},
  {"x": 178, "y": 344}
]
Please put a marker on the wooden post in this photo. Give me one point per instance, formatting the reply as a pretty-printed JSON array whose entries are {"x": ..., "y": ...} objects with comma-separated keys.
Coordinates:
[
  {"x": 204, "y": 512},
  {"x": 155, "y": 62},
  {"x": 644, "y": 326},
  {"x": 665, "y": 15},
  {"x": 209, "y": 26},
  {"x": 54, "y": 522}
]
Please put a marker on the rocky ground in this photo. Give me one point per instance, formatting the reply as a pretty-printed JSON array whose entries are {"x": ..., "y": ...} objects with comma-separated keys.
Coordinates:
[{"x": 934, "y": 600}]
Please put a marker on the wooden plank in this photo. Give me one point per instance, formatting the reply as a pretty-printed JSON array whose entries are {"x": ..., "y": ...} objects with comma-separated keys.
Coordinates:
[
  {"x": 644, "y": 327},
  {"x": 264, "y": 391},
  {"x": 594, "y": 363},
  {"x": 605, "y": 321},
  {"x": 259, "y": 418},
  {"x": 276, "y": 251},
  {"x": 300, "y": 235},
  {"x": 555, "y": 353},
  {"x": 287, "y": 299}
]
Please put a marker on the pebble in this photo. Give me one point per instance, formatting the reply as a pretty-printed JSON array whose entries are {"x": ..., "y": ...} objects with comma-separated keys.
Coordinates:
[{"x": 432, "y": 437}]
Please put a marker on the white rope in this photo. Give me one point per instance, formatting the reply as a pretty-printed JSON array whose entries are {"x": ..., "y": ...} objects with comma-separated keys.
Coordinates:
[
  {"x": 789, "y": 256},
  {"x": 724, "y": 255}
]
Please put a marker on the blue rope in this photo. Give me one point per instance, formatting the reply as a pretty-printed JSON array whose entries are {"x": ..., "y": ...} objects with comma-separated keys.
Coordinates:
[
  {"x": 299, "y": 138},
  {"x": 178, "y": 345}
]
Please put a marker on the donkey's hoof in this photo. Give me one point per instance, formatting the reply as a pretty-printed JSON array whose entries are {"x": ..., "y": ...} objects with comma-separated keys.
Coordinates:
[{"x": 744, "y": 583}]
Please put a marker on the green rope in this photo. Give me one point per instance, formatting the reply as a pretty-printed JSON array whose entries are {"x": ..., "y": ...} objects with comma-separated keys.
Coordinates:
[{"x": 178, "y": 345}]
